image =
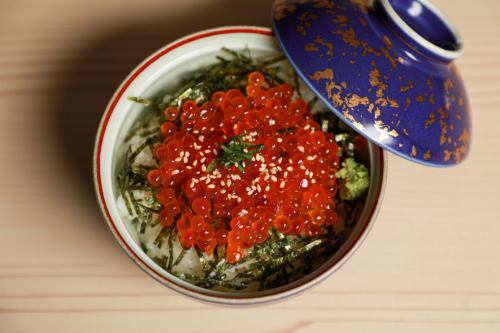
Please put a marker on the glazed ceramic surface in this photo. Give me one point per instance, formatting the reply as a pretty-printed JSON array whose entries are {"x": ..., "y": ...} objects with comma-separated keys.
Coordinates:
[
  {"x": 386, "y": 68},
  {"x": 161, "y": 71}
]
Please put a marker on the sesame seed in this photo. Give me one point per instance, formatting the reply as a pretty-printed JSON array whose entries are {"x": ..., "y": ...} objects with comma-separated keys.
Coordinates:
[
  {"x": 178, "y": 159},
  {"x": 259, "y": 189},
  {"x": 307, "y": 172},
  {"x": 282, "y": 184},
  {"x": 313, "y": 181},
  {"x": 280, "y": 140},
  {"x": 196, "y": 147},
  {"x": 201, "y": 153},
  {"x": 280, "y": 160},
  {"x": 203, "y": 178},
  {"x": 203, "y": 160},
  {"x": 239, "y": 199},
  {"x": 285, "y": 174},
  {"x": 222, "y": 183},
  {"x": 310, "y": 158},
  {"x": 245, "y": 150},
  {"x": 274, "y": 179},
  {"x": 272, "y": 122},
  {"x": 185, "y": 159},
  {"x": 182, "y": 154},
  {"x": 214, "y": 151},
  {"x": 301, "y": 149},
  {"x": 201, "y": 138},
  {"x": 212, "y": 186},
  {"x": 195, "y": 163},
  {"x": 302, "y": 167},
  {"x": 191, "y": 185},
  {"x": 203, "y": 167},
  {"x": 207, "y": 151},
  {"x": 223, "y": 191},
  {"x": 229, "y": 182},
  {"x": 307, "y": 127},
  {"x": 244, "y": 211},
  {"x": 189, "y": 167},
  {"x": 267, "y": 188},
  {"x": 290, "y": 168}
]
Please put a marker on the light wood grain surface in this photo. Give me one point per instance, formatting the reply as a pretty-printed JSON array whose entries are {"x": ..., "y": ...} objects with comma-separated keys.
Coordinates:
[{"x": 431, "y": 263}]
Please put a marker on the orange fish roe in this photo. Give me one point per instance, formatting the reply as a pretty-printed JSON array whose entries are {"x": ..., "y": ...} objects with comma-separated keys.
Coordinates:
[{"x": 289, "y": 184}]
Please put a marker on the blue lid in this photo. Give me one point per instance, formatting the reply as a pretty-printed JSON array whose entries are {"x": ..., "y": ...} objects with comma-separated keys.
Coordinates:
[{"x": 386, "y": 68}]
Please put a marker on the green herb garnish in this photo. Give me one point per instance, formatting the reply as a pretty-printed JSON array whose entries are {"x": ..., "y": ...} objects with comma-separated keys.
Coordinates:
[{"x": 235, "y": 153}]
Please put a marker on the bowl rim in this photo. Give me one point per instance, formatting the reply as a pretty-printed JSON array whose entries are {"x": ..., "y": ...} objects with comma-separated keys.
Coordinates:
[{"x": 172, "y": 284}]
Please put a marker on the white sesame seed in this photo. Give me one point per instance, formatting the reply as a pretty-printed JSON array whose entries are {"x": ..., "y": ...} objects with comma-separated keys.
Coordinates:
[
  {"x": 196, "y": 147},
  {"x": 307, "y": 127},
  {"x": 302, "y": 167},
  {"x": 285, "y": 174},
  {"x": 272, "y": 122},
  {"x": 203, "y": 167},
  {"x": 311, "y": 174},
  {"x": 201, "y": 153},
  {"x": 203, "y": 178},
  {"x": 203, "y": 160},
  {"x": 185, "y": 159},
  {"x": 229, "y": 182},
  {"x": 245, "y": 150},
  {"x": 212, "y": 186},
  {"x": 178, "y": 159},
  {"x": 195, "y": 163},
  {"x": 207, "y": 151},
  {"x": 244, "y": 212},
  {"x": 274, "y": 179},
  {"x": 280, "y": 140},
  {"x": 307, "y": 172},
  {"x": 222, "y": 183},
  {"x": 310, "y": 158},
  {"x": 189, "y": 167},
  {"x": 196, "y": 132},
  {"x": 175, "y": 172},
  {"x": 301, "y": 149},
  {"x": 282, "y": 184},
  {"x": 259, "y": 189},
  {"x": 182, "y": 154},
  {"x": 239, "y": 199},
  {"x": 280, "y": 160},
  {"x": 214, "y": 151},
  {"x": 272, "y": 164},
  {"x": 313, "y": 181},
  {"x": 223, "y": 191},
  {"x": 267, "y": 188},
  {"x": 289, "y": 168},
  {"x": 201, "y": 138}
]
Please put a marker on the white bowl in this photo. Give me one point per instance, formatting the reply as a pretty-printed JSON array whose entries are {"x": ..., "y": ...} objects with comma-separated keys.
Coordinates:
[{"x": 161, "y": 71}]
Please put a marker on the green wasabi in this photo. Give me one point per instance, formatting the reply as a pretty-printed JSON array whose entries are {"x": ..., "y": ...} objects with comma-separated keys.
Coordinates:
[{"x": 354, "y": 179}]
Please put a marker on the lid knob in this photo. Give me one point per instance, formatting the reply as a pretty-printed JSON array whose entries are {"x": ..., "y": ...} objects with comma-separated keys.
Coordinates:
[{"x": 423, "y": 26}]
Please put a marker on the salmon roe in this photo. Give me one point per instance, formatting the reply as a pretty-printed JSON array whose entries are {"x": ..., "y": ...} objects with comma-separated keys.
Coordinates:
[{"x": 288, "y": 185}]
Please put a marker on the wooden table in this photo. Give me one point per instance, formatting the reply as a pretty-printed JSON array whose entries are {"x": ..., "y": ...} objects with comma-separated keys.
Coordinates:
[{"x": 431, "y": 263}]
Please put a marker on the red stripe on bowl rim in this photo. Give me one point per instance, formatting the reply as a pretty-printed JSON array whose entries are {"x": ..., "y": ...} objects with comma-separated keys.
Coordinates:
[{"x": 104, "y": 208}]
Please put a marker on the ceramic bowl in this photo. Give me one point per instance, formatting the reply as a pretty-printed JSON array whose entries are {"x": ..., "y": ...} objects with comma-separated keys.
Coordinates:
[{"x": 162, "y": 70}]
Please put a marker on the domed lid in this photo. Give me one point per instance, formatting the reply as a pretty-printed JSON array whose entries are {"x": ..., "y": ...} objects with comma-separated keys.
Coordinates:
[{"x": 386, "y": 68}]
